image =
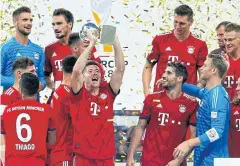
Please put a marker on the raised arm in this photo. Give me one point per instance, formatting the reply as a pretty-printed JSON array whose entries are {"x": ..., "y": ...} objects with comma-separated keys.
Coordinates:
[
  {"x": 117, "y": 76},
  {"x": 77, "y": 74},
  {"x": 192, "y": 90}
]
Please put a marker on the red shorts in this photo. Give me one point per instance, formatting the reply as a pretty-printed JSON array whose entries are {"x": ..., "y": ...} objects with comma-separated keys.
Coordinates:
[
  {"x": 64, "y": 163},
  {"x": 82, "y": 161},
  {"x": 25, "y": 162}
]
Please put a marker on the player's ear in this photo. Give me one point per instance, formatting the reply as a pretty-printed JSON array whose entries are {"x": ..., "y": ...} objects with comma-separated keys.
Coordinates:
[
  {"x": 75, "y": 48},
  {"x": 214, "y": 70},
  {"x": 70, "y": 25},
  {"x": 191, "y": 22},
  {"x": 180, "y": 78},
  {"x": 19, "y": 74}
]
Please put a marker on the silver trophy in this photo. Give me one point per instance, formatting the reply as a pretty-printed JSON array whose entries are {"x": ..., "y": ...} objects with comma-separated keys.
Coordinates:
[
  {"x": 85, "y": 28},
  {"x": 107, "y": 33}
]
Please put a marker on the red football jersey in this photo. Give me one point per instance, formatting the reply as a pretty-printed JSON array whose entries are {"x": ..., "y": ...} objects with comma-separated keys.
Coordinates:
[
  {"x": 167, "y": 48},
  {"x": 168, "y": 126},
  {"x": 25, "y": 125},
  {"x": 230, "y": 81},
  {"x": 61, "y": 101},
  {"x": 54, "y": 55},
  {"x": 234, "y": 132},
  {"x": 10, "y": 96},
  {"x": 92, "y": 118}
]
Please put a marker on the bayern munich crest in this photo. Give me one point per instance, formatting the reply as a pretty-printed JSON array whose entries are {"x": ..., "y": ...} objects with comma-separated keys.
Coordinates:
[
  {"x": 36, "y": 56},
  {"x": 103, "y": 96},
  {"x": 182, "y": 108},
  {"x": 190, "y": 49}
]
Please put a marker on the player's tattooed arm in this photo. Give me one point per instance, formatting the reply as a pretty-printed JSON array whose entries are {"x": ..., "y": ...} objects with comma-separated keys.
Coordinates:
[
  {"x": 136, "y": 138},
  {"x": 142, "y": 124}
]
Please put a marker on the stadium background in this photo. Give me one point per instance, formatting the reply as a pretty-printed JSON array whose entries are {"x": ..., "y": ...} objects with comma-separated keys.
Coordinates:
[{"x": 137, "y": 22}]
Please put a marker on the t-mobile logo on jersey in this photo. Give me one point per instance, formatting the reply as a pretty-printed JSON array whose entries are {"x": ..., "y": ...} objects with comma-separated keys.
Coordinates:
[
  {"x": 162, "y": 118},
  {"x": 173, "y": 58},
  {"x": 238, "y": 124},
  {"x": 95, "y": 108},
  {"x": 229, "y": 80},
  {"x": 58, "y": 64}
]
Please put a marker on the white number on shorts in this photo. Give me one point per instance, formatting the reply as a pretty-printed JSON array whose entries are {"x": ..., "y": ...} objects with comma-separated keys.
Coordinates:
[{"x": 20, "y": 127}]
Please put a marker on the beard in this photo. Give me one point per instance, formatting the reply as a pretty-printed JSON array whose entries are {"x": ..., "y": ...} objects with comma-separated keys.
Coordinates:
[
  {"x": 168, "y": 87},
  {"x": 24, "y": 32},
  {"x": 60, "y": 37},
  {"x": 64, "y": 33}
]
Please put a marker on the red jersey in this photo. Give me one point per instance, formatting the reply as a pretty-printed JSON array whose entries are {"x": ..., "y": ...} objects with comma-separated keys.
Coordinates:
[
  {"x": 167, "y": 127},
  {"x": 10, "y": 96},
  {"x": 25, "y": 124},
  {"x": 92, "y": 118},
  {"x": 54, "y": 55},
  {"x": 234, "y": 132},
  {"x": 61, "y": 101},
  {"x": 230, "y": 81},
  {"x": 167, "y": 48}
]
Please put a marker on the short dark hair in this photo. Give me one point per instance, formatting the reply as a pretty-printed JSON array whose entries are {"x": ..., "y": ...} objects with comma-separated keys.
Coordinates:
[
  {"x": 68, "y": 63},
  {"x": 66, "y": 13},
  {"x": 91, "y": 62},
  {"x": 73, "y": 39},
  {"x": 184, "y": 10},
  {"x": 232, "y": 27},
  {"x": 22, "y": 63},
  {"x": 223, "y": 23},
  {"x": 29, "y": 84},
  {"x": 220, "y": 63},
  {"x": 180, "y": 70},
  {"x": 23, "y": 9}
]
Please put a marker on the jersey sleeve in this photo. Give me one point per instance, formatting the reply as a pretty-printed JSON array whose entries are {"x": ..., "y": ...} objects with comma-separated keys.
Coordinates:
[
  {"x": 40, "y": 73},
  {"x": 6, "y": 81},
  {"x": 4, "y": 99},
  {"x": 192, "y": 90},
  {"x": 47, "y": 65},
  {"x": 153, "y": 57},
  {"x": 146, "y": 111},
  {"x": 2, "y": 123},
  {"x": 202, "y": 55},
  {"x": 220, "y": 105}
]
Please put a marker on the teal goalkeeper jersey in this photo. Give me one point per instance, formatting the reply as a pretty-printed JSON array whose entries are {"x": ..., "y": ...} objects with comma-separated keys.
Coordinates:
[
  {"x": 212, "y": 123},
  {"x": 11, "y": 50}
]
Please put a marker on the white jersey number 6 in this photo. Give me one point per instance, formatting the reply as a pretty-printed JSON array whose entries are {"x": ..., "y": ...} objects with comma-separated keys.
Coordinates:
[{"x": 20, "y": 127}]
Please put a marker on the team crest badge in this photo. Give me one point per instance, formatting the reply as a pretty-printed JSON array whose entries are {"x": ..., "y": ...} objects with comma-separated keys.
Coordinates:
[
  {"x": 182, "y": 108},
  {"x": 36, "y": 56},
  {"x": 190, "y": 49},
  {"x": 103, "y": 96}
]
